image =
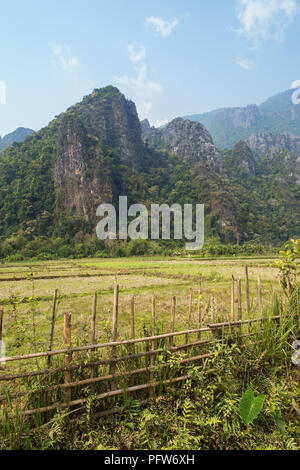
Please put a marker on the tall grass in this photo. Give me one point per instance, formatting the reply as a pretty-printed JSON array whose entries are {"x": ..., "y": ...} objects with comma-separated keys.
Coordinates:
[{"x": 267, "y": 342}]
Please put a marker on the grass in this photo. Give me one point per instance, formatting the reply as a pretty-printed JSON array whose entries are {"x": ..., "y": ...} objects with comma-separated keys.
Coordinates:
[
  {"x": 138, "y": 276},
  {"x": 200, "y": 413}
]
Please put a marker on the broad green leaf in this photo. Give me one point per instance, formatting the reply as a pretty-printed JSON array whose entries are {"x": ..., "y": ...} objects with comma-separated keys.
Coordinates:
[{"x": 251, "y": 406}]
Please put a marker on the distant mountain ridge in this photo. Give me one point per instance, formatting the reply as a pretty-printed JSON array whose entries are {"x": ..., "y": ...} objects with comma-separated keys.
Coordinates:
[
  {"x": 18, "y": 135},
  {"x": 52, "y": 183},
  {"x": 228, "y": 126}
]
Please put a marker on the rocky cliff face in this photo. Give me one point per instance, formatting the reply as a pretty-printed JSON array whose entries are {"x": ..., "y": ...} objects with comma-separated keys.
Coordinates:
[
  {"x": 94, "y": 141},
  {"x": 145, "y": 128},
  {"x": 280, "y": 151},
  {"x": 113, "y": 120},
  {"x": 82, "y": 179},
  {"x": 244, "y": 158},
  {"x": 189, "y": 140},
  {"x": 291, "y": 166},
  {"x": 274, "y": 144},
  {"x": 245, "y": 118},
  {"x": 191, "y": 143}
]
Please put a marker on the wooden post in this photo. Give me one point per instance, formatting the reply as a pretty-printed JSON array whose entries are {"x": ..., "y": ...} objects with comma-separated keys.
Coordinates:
[
  {"x": 1, "y": 323},
  {"x": 173, "y": 308},
  {"x": 232, "y": 298},
  {"x": 68, "y": 357},
  {"x": 152, "y": 357},
  {"x": 52, "y": 325},
  {"x": 115, "y": 313},
  {"x": 240, "y": 311},
  {"x": 153, "y": 325},
  {"x": 132, "y": 326},
  {"x": 190, "y": 316},
  {"x": 115, "y": 326},
  {"x": 93, "y": 320},
  {"x": 199, "y": 313},
  {"x": 212, "y": 315},
  {"x": 132, "y": 336},
  {"x": 1, "y": 332},
  {"x": 260, "y": 298},
  {"x": 93, "y": 331},
  {"x": 247, "y": 291}
]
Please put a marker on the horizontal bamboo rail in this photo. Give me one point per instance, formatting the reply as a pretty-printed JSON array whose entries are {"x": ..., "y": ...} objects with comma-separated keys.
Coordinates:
[
  {"x": 111, "y": 358},
  {"x": 134, "y": 341},
  {"x": 119, "y": 374},
  {"x": 74, "y": 367},
  {"x": 105, "y": 378},
  {"x": 112, "y": 393},
  {"x": 101, "y": 362},
  {"x": 241, "y": 322},
  {"x": 117, "y": 392},
  {"x": 101, "y": 345}
]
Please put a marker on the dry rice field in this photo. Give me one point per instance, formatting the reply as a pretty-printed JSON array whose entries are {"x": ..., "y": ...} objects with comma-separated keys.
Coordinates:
[{"x": 26, "y": 291}]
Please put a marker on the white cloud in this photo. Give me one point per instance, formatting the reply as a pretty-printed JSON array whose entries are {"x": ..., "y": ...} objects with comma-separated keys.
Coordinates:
[
  {"x": 136, "y": 55},
  {"x": 164, "y": 28},
  {"x": 140, "y": 85},
  {"x": 261, "y": 20},
  {"x": 160, "y": 122},
  {"x": 64, "y": 58},
  {"x": 245, "y": 64}
]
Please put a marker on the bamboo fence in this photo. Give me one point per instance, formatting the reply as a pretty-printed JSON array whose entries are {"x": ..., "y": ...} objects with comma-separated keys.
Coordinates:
[{"x": 128, "y": 366}]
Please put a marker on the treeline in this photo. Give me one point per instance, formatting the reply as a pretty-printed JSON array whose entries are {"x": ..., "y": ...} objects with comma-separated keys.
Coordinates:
[{"x": 19, "y": 248}]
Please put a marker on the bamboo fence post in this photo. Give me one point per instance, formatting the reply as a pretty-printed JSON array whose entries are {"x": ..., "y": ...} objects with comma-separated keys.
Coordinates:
[
  {"x": 240, "y": 310},
  {"x": 115, "y": 316},
  {"x": 1, "y": 331},
  {"x": 153, "y": 325},
  {"x": 132, "y": 326},
  {"x": 68, "y": 356},
  {"x": 115, "y": 313},
  {"x": 212, "y": 315},
  {"x": 199, "y": 314},
  {"x": 232, "y": 298},
  {"x": 93, "y": 320},
  {"x": 1, "y": 323},
  {"x": 247, "y": 296},
  {"x": 173, "y": 309},
  {"x": 132, "y": 336},
  {"x": 260, "y": 298},
  {"x": 190, "y": 315},
  {"x": 52, "y": 325},
  {"x": 152, "y": 357},
  {"x": 247, "y": 290},
  {"x": 93, "y": 331}
]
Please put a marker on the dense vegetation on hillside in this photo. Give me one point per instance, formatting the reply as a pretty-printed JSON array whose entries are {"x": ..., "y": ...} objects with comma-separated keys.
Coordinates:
[{"x": 51, "y": 184}]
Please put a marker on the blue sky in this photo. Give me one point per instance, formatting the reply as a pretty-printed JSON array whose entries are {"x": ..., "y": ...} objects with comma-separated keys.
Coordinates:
[{"x": 172, "y": 57}]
